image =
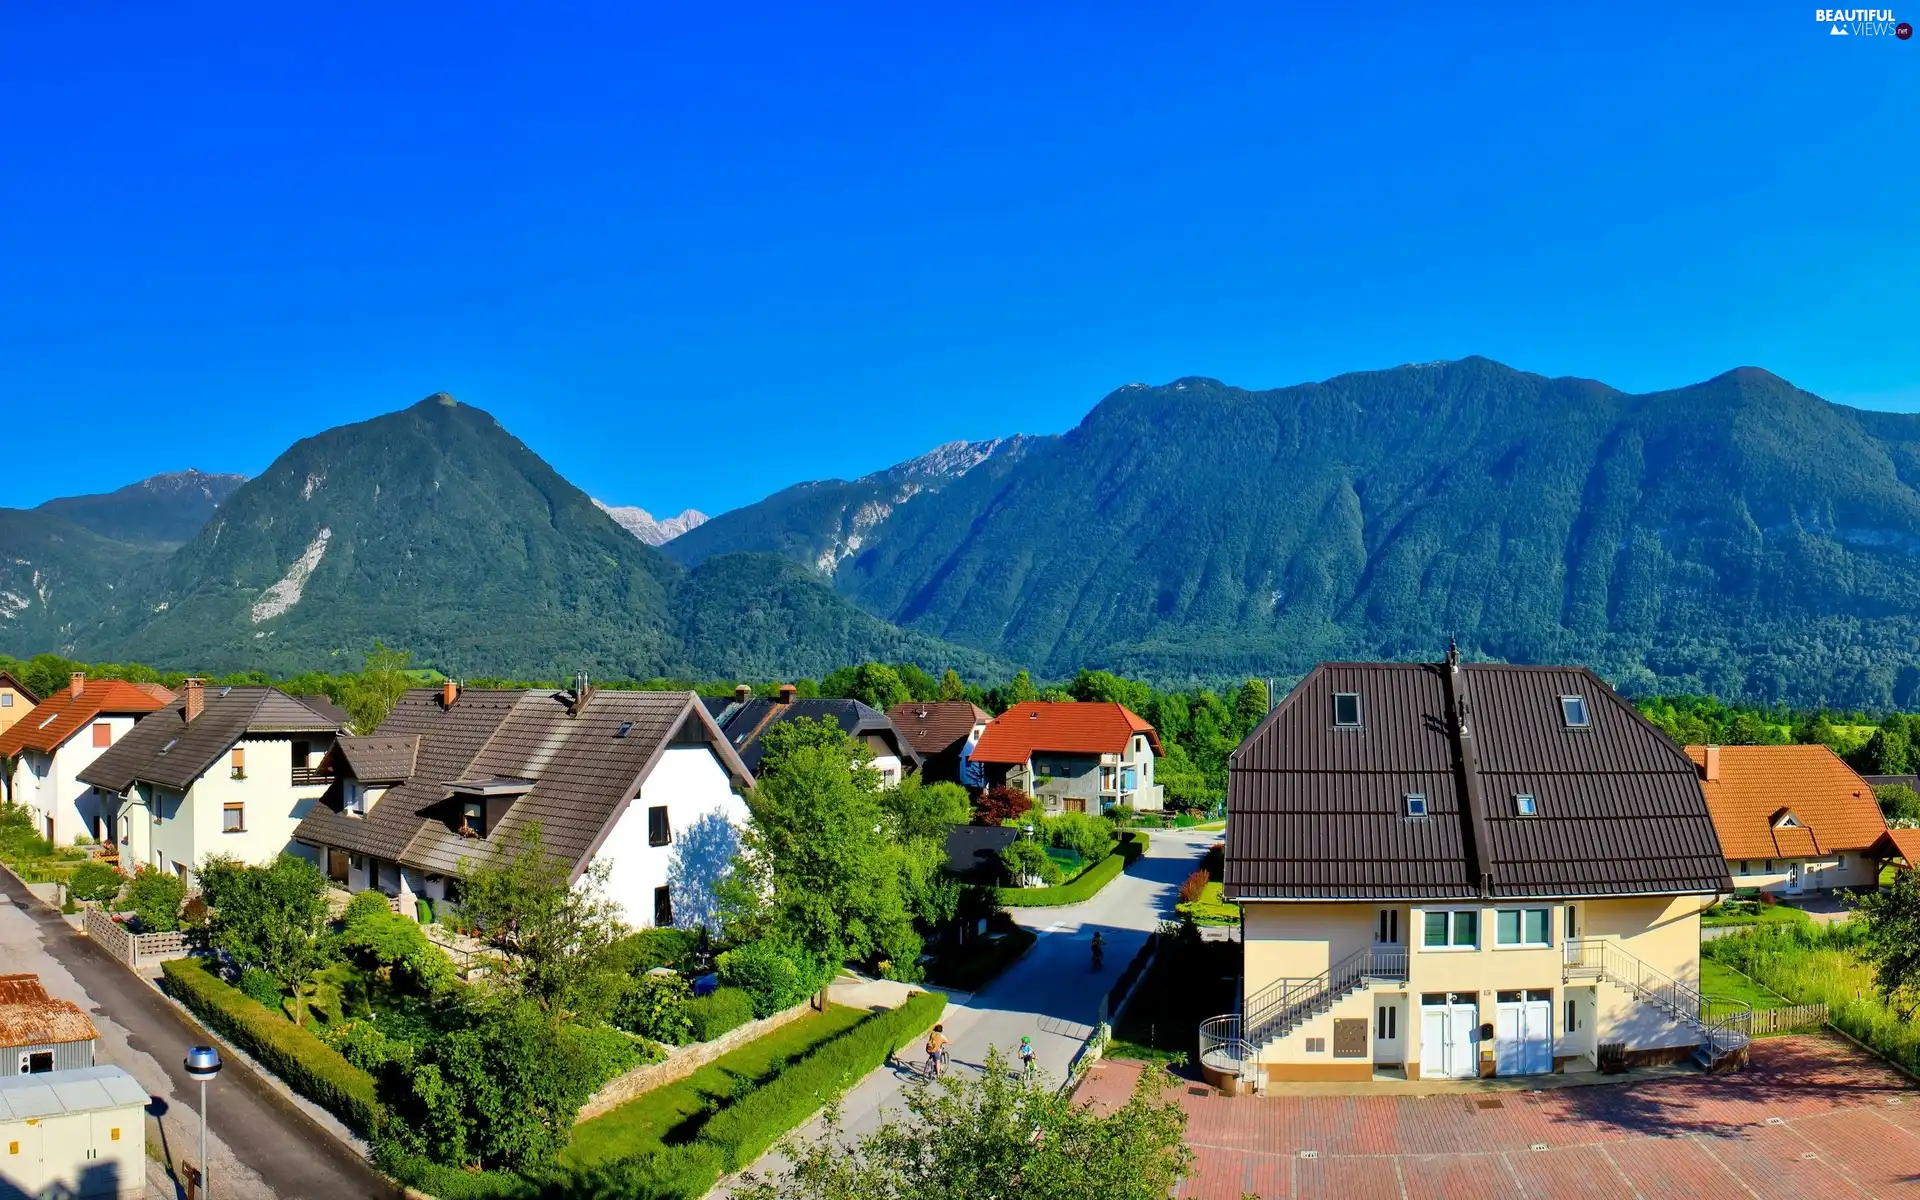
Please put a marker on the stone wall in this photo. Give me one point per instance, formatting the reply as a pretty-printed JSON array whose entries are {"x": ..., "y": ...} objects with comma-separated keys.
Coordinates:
[
  {"x": 682, "y": 1061},
  {"x": 113, "y": 937}
]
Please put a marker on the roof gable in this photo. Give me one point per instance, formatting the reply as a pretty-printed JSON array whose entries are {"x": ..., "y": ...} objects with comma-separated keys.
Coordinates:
[
  {"x": 748, "y": 722},
  {"x": 167, "y": 749},
  {"x": 1062, "y": 727},
  {"x": 1757, "y": 787}
]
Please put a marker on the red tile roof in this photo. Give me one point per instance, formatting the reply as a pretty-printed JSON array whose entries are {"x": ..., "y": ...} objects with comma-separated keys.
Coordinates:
[
  {"x": 63, "y": 714},
  {"x": 1903, "y": 843},
  {"x": 1068, "y": 727},
  {"x": 1757, "y": 786}
]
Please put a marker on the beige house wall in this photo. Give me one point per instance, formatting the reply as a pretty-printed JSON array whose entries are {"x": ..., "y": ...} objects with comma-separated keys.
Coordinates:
[{"x": 1824, "y": 873}]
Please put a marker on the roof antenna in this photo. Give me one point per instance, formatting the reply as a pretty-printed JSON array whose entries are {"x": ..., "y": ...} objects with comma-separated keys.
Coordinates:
[{"x": 1453, "y": 651}]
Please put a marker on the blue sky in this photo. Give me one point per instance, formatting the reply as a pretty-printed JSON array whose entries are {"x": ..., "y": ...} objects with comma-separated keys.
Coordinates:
[{"x": 690, "y": 259}]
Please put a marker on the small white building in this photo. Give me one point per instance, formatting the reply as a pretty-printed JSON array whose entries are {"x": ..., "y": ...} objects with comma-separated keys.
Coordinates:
[
  {"x": 79, "y": 1133},
  {"x": 643, "y": 782},
  {"x": 229, "y": 771},
  {"x": 59, "y": 739}
]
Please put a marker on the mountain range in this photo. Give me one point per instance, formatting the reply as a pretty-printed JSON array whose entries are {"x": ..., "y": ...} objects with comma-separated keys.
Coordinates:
[
  {"x": 1738, "y": 536},
  {"x": 643, "y": 525}
]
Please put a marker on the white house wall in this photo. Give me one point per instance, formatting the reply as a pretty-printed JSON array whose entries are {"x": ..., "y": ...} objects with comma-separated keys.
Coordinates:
[
  {"x": 60, "y": 794},
  {"x": 191, "y": 826},
  {"x": 692, "y": 783}
]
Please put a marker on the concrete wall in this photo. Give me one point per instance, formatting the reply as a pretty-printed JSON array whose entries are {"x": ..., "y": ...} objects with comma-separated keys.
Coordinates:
[{"x": 693, "y": 785}]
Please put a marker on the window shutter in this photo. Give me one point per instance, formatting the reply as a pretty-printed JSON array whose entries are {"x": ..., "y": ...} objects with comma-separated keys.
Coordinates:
[{"x": 102, "y": 734}]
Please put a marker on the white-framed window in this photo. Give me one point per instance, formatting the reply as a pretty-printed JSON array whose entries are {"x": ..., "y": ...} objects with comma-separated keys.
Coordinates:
[
  {"x": 1840, "y": 864},
  {"x": 1346, "y": 710},
  {"x": 1523, "y": 927},
  {"x": 1450, "y": 929},
  {"x": 1573, "y": 710}
]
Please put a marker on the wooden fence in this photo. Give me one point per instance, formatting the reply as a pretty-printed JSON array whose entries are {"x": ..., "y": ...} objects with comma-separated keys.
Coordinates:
[{"x": 1790, "y": 1019}]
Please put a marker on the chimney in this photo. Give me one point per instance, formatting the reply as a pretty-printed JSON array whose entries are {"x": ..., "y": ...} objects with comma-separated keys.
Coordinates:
[
  {"x": 581, "y": 687},
  {"x": 742, "y": 693},
  {"x": 79, "y": 681},
  {"x": 1710, "y": 770},
  {"x": 449, "y": 692},
  {"x": 196, "y": 698},
  {"x": 786, "y": 693}
]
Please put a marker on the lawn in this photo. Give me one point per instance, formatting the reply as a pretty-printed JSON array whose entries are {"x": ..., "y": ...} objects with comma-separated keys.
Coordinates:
[
  {"x": 1211, "y": 908},
  {"x": 674, "y": 1113},
  {"x": 1719, "y": 981},
  {"x": 1822, "y": 966},
  {"x": 1751, "y": 912}
]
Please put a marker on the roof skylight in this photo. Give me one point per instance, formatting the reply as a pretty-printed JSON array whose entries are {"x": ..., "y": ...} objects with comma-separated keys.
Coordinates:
[
  {"x": 1526, "y": 805},
  {"x": 1346, "y": 710},
  {"x": 1416, "y": 804},
  {"x": 1573, "y": 710}
]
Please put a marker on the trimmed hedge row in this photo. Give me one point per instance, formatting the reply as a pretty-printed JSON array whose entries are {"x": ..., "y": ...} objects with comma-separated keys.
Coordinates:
[
  {"x": 307, "y": 1064},
  {"x": 720, "y": 1011},
  {"x": 981, "y": 962},
  {"x": 1083, "y": 886}
]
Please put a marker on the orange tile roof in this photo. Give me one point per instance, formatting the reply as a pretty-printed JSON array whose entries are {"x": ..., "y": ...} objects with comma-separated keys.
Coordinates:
[
  {"x": 1904, "y": 843},
  {"x": 1758, "y": 785},
  {"x": 63, "y": 714},
  {"x": 1068, "y": 727}
]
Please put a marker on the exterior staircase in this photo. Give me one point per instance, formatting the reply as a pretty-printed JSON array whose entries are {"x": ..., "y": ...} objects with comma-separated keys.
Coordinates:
[
  {"x": 1229, "y": 1044},
  {"x": 1725, "y": 1026}
]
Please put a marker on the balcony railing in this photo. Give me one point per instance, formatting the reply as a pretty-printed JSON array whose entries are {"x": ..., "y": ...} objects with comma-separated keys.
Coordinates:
[{"x": 303, "y": 776}]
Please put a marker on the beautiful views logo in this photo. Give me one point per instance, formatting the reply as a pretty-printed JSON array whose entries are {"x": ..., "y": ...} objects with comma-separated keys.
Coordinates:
[{"x": 1862, "y": 22}]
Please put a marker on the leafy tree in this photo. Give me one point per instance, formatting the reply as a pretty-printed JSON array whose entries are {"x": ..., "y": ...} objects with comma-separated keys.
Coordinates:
[
  {"x": 922, "y": 809},
  {"x": 95, "y": 882},
  {"x": 1021, "y": 690},
  {"x": 1887, "y": 752},
  {"x": 1000, "y": 805},
  {"x": 371, "y": 694},
  {"x": 1091, "y": 837},
  {"x": 154, "y": 896},
  {"x": 1028, "y": 860},
  {"x": 919, "y": 684},
  {"x": 951, "y": 688},
  {"x": 877, "y": 685},
  {"x": 817, "y": 868},
  {"x": 1249, "y": 706},
  {"x": 1891, "y": 941},
  {"x": 1900, "y": 804},
  {"x": 554, "y": 933},
  {"x": 997, "y": 1137},
  {"x": 777, "y": 976},
  {"x": 269, "y": 918}
]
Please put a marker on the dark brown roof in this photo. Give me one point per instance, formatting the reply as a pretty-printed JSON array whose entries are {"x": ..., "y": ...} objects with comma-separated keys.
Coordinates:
[
  {"x": 582, "y": 771},
  {"x": 745, "y": 724},
  {"x": 937, "y": 726},
  {"x": 380, "y": 758},
  {"x": 1319, "y": 812},
  {"x": 327, "y": 708},
  {"x": 167, "y": 749}
]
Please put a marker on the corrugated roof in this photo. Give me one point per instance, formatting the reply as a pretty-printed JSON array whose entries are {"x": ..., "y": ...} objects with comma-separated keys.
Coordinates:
[
  {"x": 1320, "y": 812},
  {"x": 60, "y": 1093},
  {"x": 1065, "y": 727},
  {"x": 1834, "y": 808},
  {"x": 379, "y": 758},
  {"x": 167, "y": 749},
  {"x": 583, "y": 768},
  {"x": 62, "y": 714},
  {"x": 749, "y": 722},
  {"x": 30, "y": 1017},
  {"x": 936, "y": 726}
]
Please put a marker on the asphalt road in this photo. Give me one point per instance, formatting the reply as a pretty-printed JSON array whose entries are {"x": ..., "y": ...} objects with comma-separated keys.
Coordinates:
[{"x": 280, "y": 1152}]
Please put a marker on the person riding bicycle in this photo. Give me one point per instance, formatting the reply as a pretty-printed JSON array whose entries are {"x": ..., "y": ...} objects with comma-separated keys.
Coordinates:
[
  {"x": 937, "y": 1049},
  {"x": 1026, "y": 1057},
  {"x": 1099, "y": 950}
]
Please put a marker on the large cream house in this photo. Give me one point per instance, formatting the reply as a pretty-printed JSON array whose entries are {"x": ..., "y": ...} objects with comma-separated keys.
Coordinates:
[
  {"x": 1453, "y": 870},
  {"x": 1791, "y": 819}
]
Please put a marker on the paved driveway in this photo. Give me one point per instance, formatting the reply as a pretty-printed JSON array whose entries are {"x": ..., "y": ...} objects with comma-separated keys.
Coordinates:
[
  {"x": 261, "y": 1145},
  {"x": 1812, "y": 1119}
]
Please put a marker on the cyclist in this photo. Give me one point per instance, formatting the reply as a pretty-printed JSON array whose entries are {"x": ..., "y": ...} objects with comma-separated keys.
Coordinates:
[
  {"x": 1099, "y": 950},
  {"x": 1026, "y": 1057},
  {"x": 937, "y": 1049}
]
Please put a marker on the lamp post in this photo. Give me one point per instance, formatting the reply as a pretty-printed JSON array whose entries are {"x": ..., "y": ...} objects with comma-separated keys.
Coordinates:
[{"x": 203, "y": 1063}]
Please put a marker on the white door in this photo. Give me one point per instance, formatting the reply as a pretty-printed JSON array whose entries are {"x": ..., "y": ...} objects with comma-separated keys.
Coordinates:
[
  {"x": 1463, "y": 1052},
  {"x": 1793, "y": 879},
  {"x": 1540, "y": 1037},
  {"x": 1510, "y": 1038},
  {"x": 1446, "y": 1041}
]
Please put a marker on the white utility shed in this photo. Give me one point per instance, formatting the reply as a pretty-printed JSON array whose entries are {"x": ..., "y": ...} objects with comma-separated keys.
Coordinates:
[{"x": 74, "y": 1133}]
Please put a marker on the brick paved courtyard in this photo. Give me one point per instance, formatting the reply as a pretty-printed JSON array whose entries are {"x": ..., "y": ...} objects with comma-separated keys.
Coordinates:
[{"x": 1811, "y": 1119}]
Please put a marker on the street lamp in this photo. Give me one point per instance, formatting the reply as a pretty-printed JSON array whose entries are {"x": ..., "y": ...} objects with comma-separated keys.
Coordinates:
[{"x": 203, "y": 1063}]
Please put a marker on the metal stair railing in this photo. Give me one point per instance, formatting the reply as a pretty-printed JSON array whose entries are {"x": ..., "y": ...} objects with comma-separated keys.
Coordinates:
[
  {"x": 1725, "y": 1024},
  {"x": 1276, "y": 1009}
]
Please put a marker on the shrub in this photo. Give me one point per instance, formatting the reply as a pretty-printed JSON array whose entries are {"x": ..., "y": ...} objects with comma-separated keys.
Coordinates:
[
  {"x": 261, "y": 987},
  {"x": 308, "y": 1065},
  {"x": 655, "y": 1006},
  {"x": 1899, "y": 803},
  {"x": 718, "y": 1012},
  {"x": 997, "y": 806},
  {"x": 754, "y": 1122},
  {"x": 1082, "y": 886},
  {"x": 776, "y": 976},
  {"x": 638, "y": 953},
  {"x": 1030, "y": 860},
  {"x": 377, "y": 938},
  {"x": 1195, "y": 886},
  {"x": 95, "y": 882},
  {"x": 1090, "y": 837},
  {"x": 154, "y": 896}
]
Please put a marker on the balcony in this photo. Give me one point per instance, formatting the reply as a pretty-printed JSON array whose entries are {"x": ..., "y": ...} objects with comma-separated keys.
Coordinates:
[{"x": 308, "y": 776}]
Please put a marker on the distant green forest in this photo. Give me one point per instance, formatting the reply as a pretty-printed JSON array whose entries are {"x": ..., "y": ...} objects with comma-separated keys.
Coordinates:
[{"x": 1198, "y": 728}]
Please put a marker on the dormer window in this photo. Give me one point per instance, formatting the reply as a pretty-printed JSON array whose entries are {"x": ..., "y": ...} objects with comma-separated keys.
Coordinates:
[
  {"x": 1573, "y": 710},
  {"x": 1346, "y": 710},
  {"x": 473, "y": 819},
  {"x": 1416, "y": 804},
  {"x": 1784, "y": 819},
  {"x": 1526, "y": 806}
]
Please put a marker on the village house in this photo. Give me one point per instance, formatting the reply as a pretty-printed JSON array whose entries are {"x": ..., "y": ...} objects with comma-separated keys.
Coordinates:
[
  {"x": 644, "y": 782},
  {"x": 746, "y": 719},
  {"x": 223, "y": 770},
  {"x": 1073, "y": 756},
  {"x": 1791, "y": 819},
  {"x": 59, "y": 738},
  {"x": 943, "y": 733},
  {"x": 1451, "y": 870},
  {"x": 15, "y": 701}
]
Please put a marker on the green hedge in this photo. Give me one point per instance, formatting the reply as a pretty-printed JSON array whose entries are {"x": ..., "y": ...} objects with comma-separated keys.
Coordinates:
[
  {"x": 719, "y": 1011},
  {"x": 747, "y": 1129},
  {"x": 307, "y": 1064},
  {"x": 1083, "y": 886},
  {"x": 980, "y": 961}
]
